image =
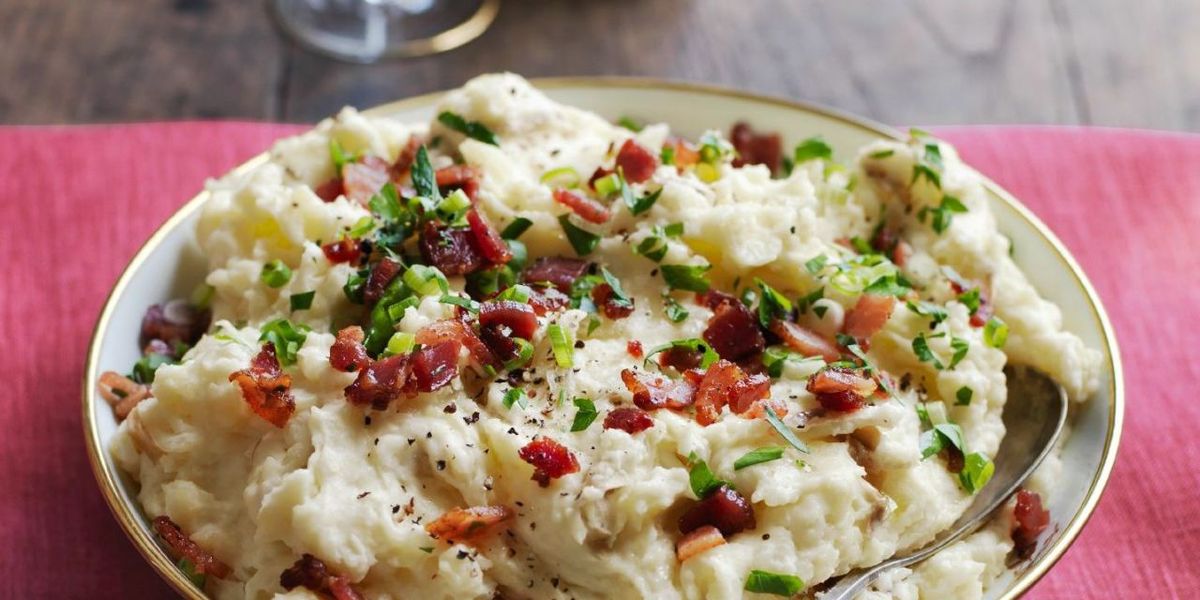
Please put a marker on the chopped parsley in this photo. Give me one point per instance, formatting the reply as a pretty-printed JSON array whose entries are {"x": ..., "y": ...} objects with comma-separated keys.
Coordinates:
[
  {"x": 958, "y": 346},
  {"x": 424, "y": 179},
  {"x": 515, "y": 396},
  {"x": 275, "y": 274},
  {"x": 816, "y": 264},
  {"x": 701, "y": 478},
  {"x": 630, "y": 124},
  {"x": 584, "y": 415},
  {"x": 934, "y": 312},
  {"x": 302, "y": 301},
  {"x": 784, "y": 432},
  {"x": 943, "y": 213},
  {"x": 145, "y": 367},
  {"x": 772, "y": 304},
  {"x": 976, "y": 472},
  {"x": 759, "y": 456},
  {"x": 472, "y": 129},
  {"x": 619, "y": 297},
  {"x": 286, "y": 337},
  {"x": 675, "y": 311},
  {"x": 971, "y": 300},
  {"x": 940, "y": 437},
  {"x": 963, "y": 396},
  {"x": 654, "y": 246},
  {"x": 197, "y": 578},
  {"x": 686, "y": 277},
  {"x": 881, "y": 153},
  {"x": 778, "y": 584},
  {"x": 812, "y": 148},
  {"x": 995, "y": 332},
  {"x": 581, "y": 240}
]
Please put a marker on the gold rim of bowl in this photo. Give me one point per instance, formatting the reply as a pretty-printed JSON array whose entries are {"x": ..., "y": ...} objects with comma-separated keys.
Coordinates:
[{"x": 132, "y": 522}]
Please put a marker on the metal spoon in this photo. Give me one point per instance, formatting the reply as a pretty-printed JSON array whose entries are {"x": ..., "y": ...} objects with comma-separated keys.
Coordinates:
[{"x": 1033, "y": 417}]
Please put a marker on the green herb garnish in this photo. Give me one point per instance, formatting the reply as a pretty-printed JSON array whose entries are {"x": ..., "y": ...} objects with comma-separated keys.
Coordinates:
[
  {"x": 561, "y": 345},
  {"x": 581, "y": 240},
  {"x": 701, "y": 478},
  {"x": 783, "y": 431},
  {"x": 686, "y": 277},
  {"x": 302, "y": 301},
  {"x": 286, "y": 337},
  {"x": 275, "y": 274},
  {"x": 692, "y": 345},
  {"x": 766, "y": 582},
  {"x": 976, "y": 472},
  {"x": 812, "y": 148},
  {"x": 584, "y": 415},
  {"x": 963, "y": 396},
  {"x": 758, "y": 456},
  {"x": 472, "y": 129},
  {"x": 515, "y": 396},
  {"x": 995, "y": 332}
]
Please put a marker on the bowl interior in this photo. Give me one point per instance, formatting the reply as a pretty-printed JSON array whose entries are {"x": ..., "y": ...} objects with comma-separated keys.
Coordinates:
[{"x": 170, "y": 265}]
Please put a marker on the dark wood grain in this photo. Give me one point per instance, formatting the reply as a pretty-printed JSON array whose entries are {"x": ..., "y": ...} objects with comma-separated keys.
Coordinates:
[{"x": 901, "y": 61}]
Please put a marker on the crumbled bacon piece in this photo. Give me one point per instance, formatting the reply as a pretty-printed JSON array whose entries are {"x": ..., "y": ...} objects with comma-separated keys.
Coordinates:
[
  {"x": 433, "y": 367},
  {"x": 901, "y": 253},
  {"x": 1030, "y": 518},
  {"x": 698, "y": 541},
  {"x": 363, "y": 179},
  {"x": 724, "y": 383},
  {"x": 330, "y": 190},
  {"x": 463, "y": 177},
  {"x": 181, "y": 546},
  {"x": 558, "y": 271},
  {"x": 635, "y": 162},
  {"x": 487, "y": 239},
  {"x": 652, "y": 392},
  {"x": 311, "y": 573},
  {"x": 174, "y": 322},
  {"x": 749, "y": 391},
  {"x": 121, "y": 392},
  {"x": 344, "y": 250},
  {"x": 587, "y": 208},
  {"x": 403, "y": 166},
  {"x": 733, "y": 331},
  {"x": 452, "y": 250},
  {"x": 725, "y": 509},
  {"x": 457, "y": 330},
  {"x": 628, "y": 419},
  {"x": 266, "y": 388},
  {"x": 468, "y": 525},
  {"x": 499, "y": 342},
  {"x": 680, "y": 358},
  {"x": 805, "y": 341},
  {"x": 841, "y": 389},
  {"x": 520, "y": 319},
  {"x": 381, "y": 382},
  {"x": 756, "y": 148},
  {"x": 714, "y": 298},
  {"x": 547, "y": 299},
  {"x": 685, "y": 155},
  {"x": 381, "y": 275},
  {"x": 868, "y": 316},
  {"x": 609, "y": 304},
  {"x": 884, "y": 239},
  {"x": 549, "y": 458},
  {"x": 347, "y": 352},
  {"x": 634, "y": 348},
  {"x": 980, "y": 317}
]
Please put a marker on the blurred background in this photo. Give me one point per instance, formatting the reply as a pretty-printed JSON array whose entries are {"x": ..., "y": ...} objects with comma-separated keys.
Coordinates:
[{"x": 1102, "y": 62}]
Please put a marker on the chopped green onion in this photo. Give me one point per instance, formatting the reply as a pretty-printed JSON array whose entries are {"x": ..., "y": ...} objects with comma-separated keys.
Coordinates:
[
  {"x": 942, "y": 214},
  {"x": 516, "y": 228},
  {"x": 778, "y": 584},
  {"x": 783, "y": 431},
  {"x": 773, "y": 304},
  {"x": 145, "y": 367},
  {"x": 454, "y": 206},
  {"x": 426, "y": 549},
  {"x": 812, "y": 148},
  {"x": 619, "y": 297},
  {"x": 892, "y": 284},
  {"x": 816, "y": 264},
  {"x": 517, "y": 293},
  {"x": 976, "y": 472},
  {"x": 920, "y": 347},
  {"x": 275, "y": 274},
  {"x": 939, "y": 437},
  {"x": 302, "y": 301},
  {"x": 963, "y": 396},
  {"x": 809, "y": 299},
  {"x": 960, "y": 348},
  {"x": 701, "y": 478},
  {"x": 607, "y": 185},
  {"x": 386, "y": 204},
  {"x": 426, "y": 280},
  {"x": 686, "y": 277},
  {"x": 881, "y": 153},
  {"x": 585, "y": 414},
  {"x": 927, "y": 309},
  {"x": 286, "y": 337},
  {"x": 758, "y": 456},
  {"x": 920, "y": 170},
  {"x": 676, "y": 313},
  {"x": 581, "y": 240},
  {"x": 339, "y": 156},
  {"x": 361, "y": 227},
  {"x": 562, "y": 177},
  {"x": 472, "y": 129},
  {"x": 709, "y": 357},
  {"x": 401, "y": 342},
  {"x": 561, "y": 344},
  {"x": 630, "y": 124},
  {"x": 995, "y": 332},
  {"x": 202, "y": 296},
  {"x": 667, "y": 156},
  {"x": 524, "y": 354},
  {"x": 466, "y": 304},
  {"x": 515, "y": 396}
]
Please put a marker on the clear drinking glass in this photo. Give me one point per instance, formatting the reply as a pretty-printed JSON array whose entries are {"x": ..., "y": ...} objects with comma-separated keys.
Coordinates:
[{"x": 365, "y": 31}]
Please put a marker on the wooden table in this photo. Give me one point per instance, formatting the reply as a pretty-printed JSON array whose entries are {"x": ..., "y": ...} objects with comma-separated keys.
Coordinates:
[{"x": 1106, "y": 62}]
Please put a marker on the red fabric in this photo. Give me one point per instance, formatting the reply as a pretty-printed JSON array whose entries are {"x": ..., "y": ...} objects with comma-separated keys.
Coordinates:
[{"x": 75, "y": 204}]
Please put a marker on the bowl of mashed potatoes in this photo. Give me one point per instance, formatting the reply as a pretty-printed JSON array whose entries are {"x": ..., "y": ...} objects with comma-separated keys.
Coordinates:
[{"x": 592, "y": 339}]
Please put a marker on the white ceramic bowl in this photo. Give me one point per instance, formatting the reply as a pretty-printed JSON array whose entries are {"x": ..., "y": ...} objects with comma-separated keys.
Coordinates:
[{"x": 169, "y": 265}]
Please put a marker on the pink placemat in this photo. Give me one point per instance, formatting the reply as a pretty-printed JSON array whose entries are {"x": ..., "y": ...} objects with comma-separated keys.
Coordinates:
[{"x": 77, "y": 202}]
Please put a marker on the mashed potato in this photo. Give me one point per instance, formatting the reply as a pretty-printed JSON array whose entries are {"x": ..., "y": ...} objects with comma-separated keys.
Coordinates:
[{"x": 356, "y": 487}]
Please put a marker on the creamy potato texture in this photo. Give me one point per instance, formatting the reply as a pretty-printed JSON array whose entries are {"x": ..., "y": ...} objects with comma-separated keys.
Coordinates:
[{"x": 355, "y": 487}]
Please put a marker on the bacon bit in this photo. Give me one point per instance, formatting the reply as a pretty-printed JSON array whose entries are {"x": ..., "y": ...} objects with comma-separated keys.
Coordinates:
[
  {"x": 463, "y": 177},
  {"x": 749, "y": 392},
  {"x": 901, "y": 253},
  {"x": 266, "y": 388},
  {"x": 344, "y": 250},
  {"x": 603, "y": 296},
  {"x": 714, "y": 390},
  {"x": 980, "y": 317},
  {"x": 121, "y": 392},
  {"x": 499, "y": 342},
  {"x": 1030, "y": 519},
  {"x": 698, "y": 541},
  {"x": 456, "y": 330},
  {"x": 469, "y": 525},
  {"x": 758, "y": 410},
  {"x": 628, "y": 419},
  {"x": 558, "y": 271},
  {"x": 330, "y": 190},
  {"x": 713, "y": 298},
  {"x": 805, "y": 341},
  {"x": 634, "y": 348},
  {"x": 652, "y": 392},
  {"x": 635, "y": 162},
  {"x": 433, "y": 366},
  {"x": 885, "y": 239},
  {"x": 725, "y": 509},
  {"x": 756, "y": 148},
  {"x": 381, "y": 275},
  {"x": 174, "y": 322},
  {"x": 520, "y": 319},
  {"x": 599, "y": 173},
  {"x": 733, "y": 331},
  {"x": 363, "y": 179},
  {"x": 380, "y": 383},
  {"x": 489, "y": 242},
  {"x": 402, "y": 168},
  {"x": 840, "y": 389},
  {"x": 680, "y": 358},
  {"x": 549, "y": 458},
  {"x": 868, "y": 316},
  {"x": 547, "y": 299},
  {"x": 347, "y": 352},
  {"x": 311, "y": 573},
  {"x": 451, "y": 250},
  {"x": 686, "y": 155},
  {"x": 181, "y": 546},
  {"x": 587, "y": 208}
]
